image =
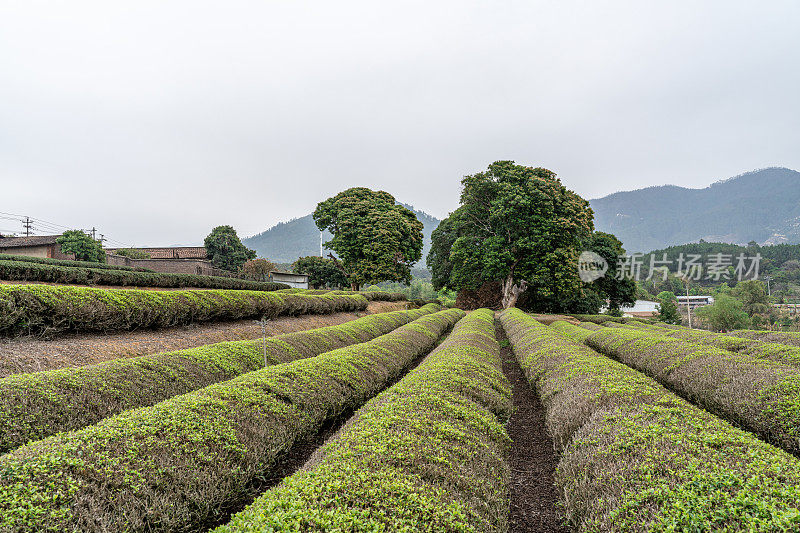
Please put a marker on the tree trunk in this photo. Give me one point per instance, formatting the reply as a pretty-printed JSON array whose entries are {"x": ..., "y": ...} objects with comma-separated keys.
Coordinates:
[
  {"x": 511, "y": 291},
  {"x": 354, "y": 286}
]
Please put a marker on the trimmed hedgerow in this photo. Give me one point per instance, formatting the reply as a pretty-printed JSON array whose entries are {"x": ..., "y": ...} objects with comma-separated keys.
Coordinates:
[
  {"x": 599, "y": 319},
  {"x": 372, "y": 296},
  {"x": 83, "y": 273},
  {"x": 578, "y": 332},
  {"x": 757, "y": 393},
  {"x": 178, "y": 465},
  {"x": 754, "y": 347},
  {"x": 635, "y": 457},
  {"x": 428, "y": 454},
  {"x": 791, "y": 338},
  {"x": 40, "y": 404},
  {"x": 69, "y": 263},
  {"x": 45, "y": 309}
]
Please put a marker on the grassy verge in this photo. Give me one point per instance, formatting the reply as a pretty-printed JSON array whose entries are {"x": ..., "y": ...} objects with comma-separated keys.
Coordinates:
[
  {"x": 37, "y": 405},
  {"x": 428, "y": 454},
  {"x": 791, "y": 338},
  {"x": 179, "y": 464},
  {"x": 48, "y": 309},
  {"x": 635, "y": 457},
  {"x": 82, "y": 273},
  {"x": 757, "y": 393}
]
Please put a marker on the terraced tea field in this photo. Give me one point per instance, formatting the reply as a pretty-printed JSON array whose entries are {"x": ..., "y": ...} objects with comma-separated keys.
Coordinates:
[{"x": 424, "y": 419}]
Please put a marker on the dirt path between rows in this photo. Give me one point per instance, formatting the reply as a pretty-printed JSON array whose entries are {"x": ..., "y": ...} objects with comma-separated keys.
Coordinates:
[
  {"x": 32, "y": 354},
  {"x": 534, "y": 497}
]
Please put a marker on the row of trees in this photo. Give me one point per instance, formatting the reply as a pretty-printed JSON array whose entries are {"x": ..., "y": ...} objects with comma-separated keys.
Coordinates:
[{"x": 517, "y": 226}]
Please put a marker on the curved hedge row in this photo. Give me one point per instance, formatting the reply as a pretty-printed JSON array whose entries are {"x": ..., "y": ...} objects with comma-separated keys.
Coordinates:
[
  {"x": 759, "y": 394},
  {"x": 92, "y": 275},
  {"x": 377, "y": 296},
  {"x": 428, "y": 454},
  {"x": 754, "y": 347},
  {"x": 178, "y": 465},
  {"x": 635, "y": 457},
  {"x": 37, "y": 405},
  {"x": 69, "y": 263},
  {"x": 791, "y": 338},
  {"x": 48, "y": 309}
]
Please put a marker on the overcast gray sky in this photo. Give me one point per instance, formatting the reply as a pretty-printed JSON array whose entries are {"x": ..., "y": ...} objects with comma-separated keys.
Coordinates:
[{"x": 155, "y": 121}]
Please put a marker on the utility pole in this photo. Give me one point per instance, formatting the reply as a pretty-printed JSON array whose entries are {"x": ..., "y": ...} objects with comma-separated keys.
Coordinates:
[
  {"x": 321, "y": 254},
  {"x": 769, "y": 292},
  {"x": 94, "y": 233},
  {"x": 27, "y": 226}
]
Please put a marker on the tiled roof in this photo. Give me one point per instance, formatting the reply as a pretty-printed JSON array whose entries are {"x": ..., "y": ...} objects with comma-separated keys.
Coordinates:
[
  {"x": 24, "y": 242},
  {"x": 175, "y": 252}
]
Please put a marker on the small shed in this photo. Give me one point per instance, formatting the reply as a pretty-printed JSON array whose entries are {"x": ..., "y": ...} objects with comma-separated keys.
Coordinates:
[{"x": 297, "y": 281}]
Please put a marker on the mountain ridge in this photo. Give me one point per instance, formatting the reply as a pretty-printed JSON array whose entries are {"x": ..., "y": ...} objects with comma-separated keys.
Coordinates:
[{"x": 761, "y": 205}]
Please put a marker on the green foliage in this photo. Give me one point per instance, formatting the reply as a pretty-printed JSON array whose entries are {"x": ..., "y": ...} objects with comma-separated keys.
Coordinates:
[
  {"x": 83, "y": 246},
  {"x": 618, "y": 292},
  {"x": 69, "y": 263},
  {"x": 132, "y": 253},
  {"x": 184, "y": 462},
  {"x": 34, "y": 406},
  {"x": 515, "y": 223},
  {"x": 668, "y": 308},
  {"x": 84, "y": 273},
  {"x": 225, "y": 249},
  {"x": 757, "y": 393},
  {"x": 322, "y": 272},
  {"x": 753, "y": 295},
  {"x": 257, "y": 269},
  {"x": 635, "y": 457},
  {"x": 419, "y": 290},
  {"x": 46, "y": 309},
  {"x": 374, "y": 238},
  {"x": 428, "y": 454},
  {"x": 725, "y": 314}
]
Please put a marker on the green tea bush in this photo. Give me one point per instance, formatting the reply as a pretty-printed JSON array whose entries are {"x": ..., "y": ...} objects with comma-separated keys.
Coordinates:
[
  {"x": 37, "y": 405},
  {"x": 180, "y": 464},
  {"x": 92, "y": 274},
  {"x": 46, "y": 309},
  {"x": 635, "y": 457},
  {"x": 753, "y": 346},
  {"x": 759, "y": 394},
  {"x": 428, "y": 454}
]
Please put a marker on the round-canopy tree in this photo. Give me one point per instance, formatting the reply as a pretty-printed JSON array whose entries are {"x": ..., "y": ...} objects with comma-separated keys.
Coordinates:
[
  {"x": 322, "y": 272},
  {"x": 374, "y": 238},
  {"x": 518, "y": 225},
  {"x": 225, "y": 249}
]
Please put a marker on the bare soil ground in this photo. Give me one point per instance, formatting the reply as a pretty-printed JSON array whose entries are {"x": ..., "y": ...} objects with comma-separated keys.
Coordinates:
[
  {"x": 534, "y": 497},
  {"x": 31, "y": 354}
]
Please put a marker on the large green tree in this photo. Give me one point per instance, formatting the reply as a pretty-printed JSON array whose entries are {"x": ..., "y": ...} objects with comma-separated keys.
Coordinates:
[
  {"x": 82, "y": 245},
  {"x": 619, "y": 290},
  {"x": 374, "y": 238},
  {"x": 225, "y": 250},
  {"x": 322, "y": 272},
  {"x": 518, "y": 225},
  {"x": 668, "y": 308}
]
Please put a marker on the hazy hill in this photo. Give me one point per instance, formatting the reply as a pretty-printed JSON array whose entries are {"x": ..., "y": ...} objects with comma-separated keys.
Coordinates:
[
  {"x": 761, "y": 206},
  {"x": 286, "y": 241}
]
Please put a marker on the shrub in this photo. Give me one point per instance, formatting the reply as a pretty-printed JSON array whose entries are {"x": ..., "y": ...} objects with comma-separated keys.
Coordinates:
[
  {"x": 49, "y": 309},
  {"x": 635, "y": 457},
  {"x": 180, "y": 464},
  {"x": 759, "y": 394},
  {"x": 428, "y": 454},
  {"x": 93, "y": 275},
  {"x": 34, "y": 406}
]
